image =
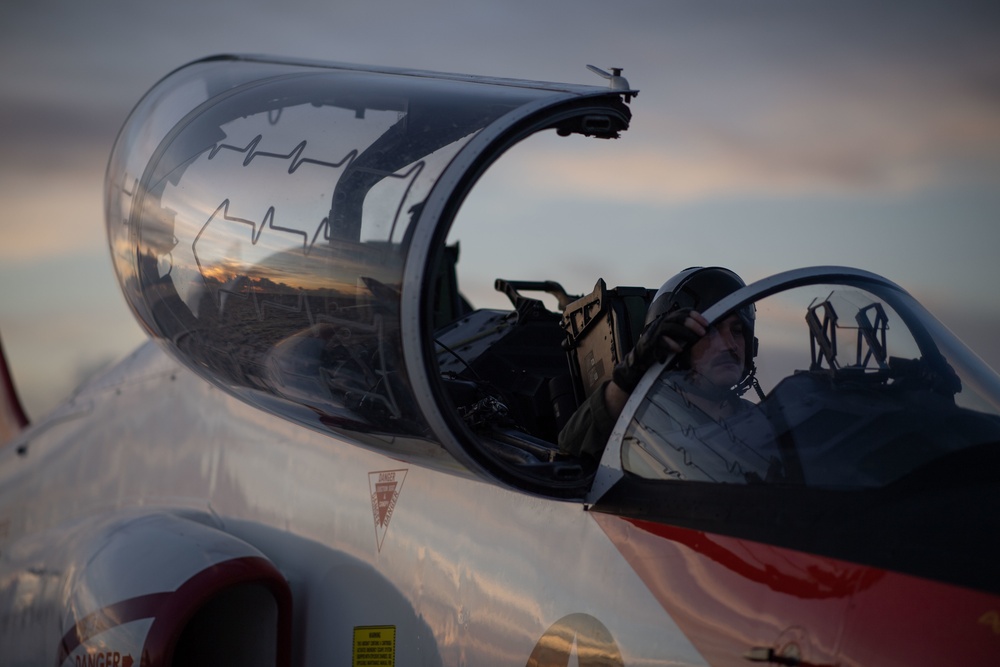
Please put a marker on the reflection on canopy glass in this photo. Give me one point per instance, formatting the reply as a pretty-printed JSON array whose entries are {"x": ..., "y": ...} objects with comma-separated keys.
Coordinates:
[{"x": 271, "y": 227}]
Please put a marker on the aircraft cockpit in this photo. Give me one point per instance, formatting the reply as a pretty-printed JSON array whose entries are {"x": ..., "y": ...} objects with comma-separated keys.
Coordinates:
[
  {"x": 282, "y": 228},
  {"x": 854, "y": 385},
  {"x": 866, "y": 432}
]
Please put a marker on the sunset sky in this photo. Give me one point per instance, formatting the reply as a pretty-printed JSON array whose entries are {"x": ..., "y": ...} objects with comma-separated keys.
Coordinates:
[{"x": 767, "y": 136}]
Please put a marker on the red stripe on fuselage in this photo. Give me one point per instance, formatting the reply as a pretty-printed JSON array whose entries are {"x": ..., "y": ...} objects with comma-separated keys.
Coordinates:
[{"x": 729, "y": 595}]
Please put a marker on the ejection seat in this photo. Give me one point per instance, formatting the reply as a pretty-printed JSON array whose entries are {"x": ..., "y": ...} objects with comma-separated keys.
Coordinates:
[
  {"x": 601, "y": 328},
  {"x": 516, "y": 376}
]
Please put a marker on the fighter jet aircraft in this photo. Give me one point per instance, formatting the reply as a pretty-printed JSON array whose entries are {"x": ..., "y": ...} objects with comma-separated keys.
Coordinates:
[{"x": 327, "y": 455}]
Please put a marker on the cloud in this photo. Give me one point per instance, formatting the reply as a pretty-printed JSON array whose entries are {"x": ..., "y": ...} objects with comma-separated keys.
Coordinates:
[
  {"x": 807, "y": 143},
  {"x": 49, "y": 215}
]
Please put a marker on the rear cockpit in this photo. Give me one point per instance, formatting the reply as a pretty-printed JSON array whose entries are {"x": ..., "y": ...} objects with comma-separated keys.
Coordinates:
[{"x": 516, "y": 376}]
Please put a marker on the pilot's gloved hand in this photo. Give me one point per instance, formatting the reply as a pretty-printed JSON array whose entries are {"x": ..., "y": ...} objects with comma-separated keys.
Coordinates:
[{"x": 664, "y": 335}]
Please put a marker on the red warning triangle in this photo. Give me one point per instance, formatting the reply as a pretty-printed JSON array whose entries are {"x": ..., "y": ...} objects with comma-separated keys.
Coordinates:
[{"x": 385, "y": 486}]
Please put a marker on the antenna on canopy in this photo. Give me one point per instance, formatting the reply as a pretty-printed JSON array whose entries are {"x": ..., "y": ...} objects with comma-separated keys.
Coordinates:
[{"x": 615, "y": 81}]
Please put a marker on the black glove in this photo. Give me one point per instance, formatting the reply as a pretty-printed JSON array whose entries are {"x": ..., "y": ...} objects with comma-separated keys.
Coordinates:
[{"x": 652, "y": 347}]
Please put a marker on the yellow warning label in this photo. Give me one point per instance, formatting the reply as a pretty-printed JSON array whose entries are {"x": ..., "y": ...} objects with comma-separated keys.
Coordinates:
[{"x": 375, "y": 646}]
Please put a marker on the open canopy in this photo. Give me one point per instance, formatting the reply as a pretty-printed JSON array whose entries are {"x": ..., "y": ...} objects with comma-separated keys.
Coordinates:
[{"x": 281, "y": 227}]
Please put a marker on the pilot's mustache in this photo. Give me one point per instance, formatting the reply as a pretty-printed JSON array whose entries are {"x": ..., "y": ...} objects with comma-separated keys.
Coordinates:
[{"x": 728, "y": 355}]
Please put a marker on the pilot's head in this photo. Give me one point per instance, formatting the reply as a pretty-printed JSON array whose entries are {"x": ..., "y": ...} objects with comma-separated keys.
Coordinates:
[
  {"x": 724, "y": 356},
  {"x": 720, "y": 356}
]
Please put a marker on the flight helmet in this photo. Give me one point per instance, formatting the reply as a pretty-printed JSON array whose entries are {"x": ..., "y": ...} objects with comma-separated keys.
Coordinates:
[{"x": 698, "y": 288}]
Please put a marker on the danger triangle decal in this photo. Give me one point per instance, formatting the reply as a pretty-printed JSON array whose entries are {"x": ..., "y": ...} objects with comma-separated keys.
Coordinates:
[{"x": 385, "y": 486}]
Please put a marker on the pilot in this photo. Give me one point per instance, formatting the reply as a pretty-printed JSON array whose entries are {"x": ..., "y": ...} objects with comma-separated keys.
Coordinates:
[{"x": 714, "y": 367}]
